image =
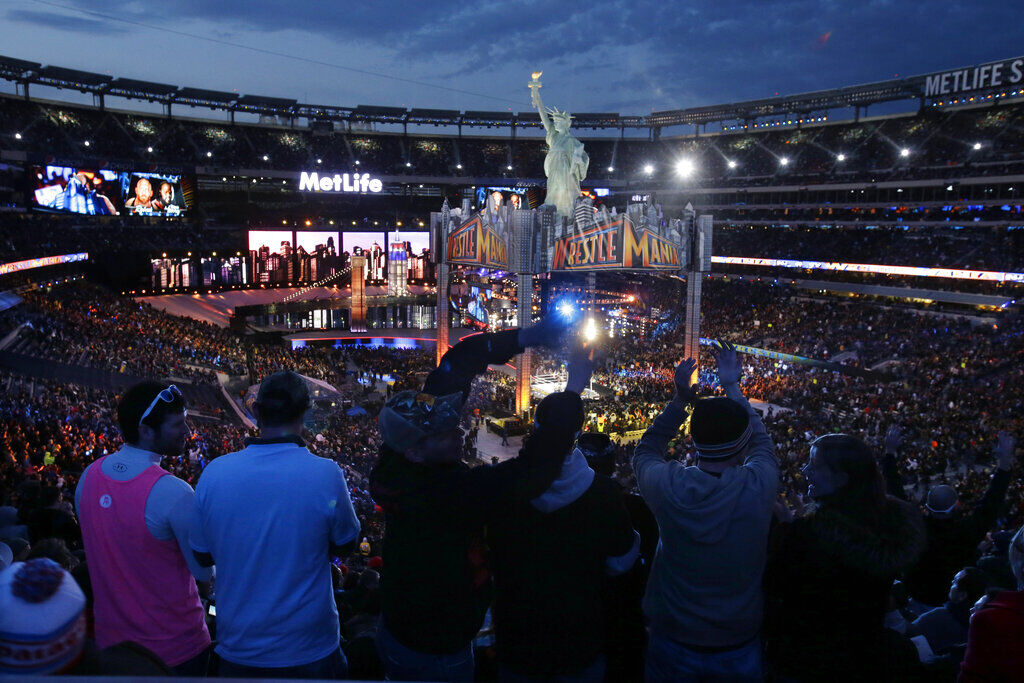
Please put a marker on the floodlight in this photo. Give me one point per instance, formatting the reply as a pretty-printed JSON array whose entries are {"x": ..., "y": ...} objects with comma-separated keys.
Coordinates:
[
  {"x": 210, "y": 154},
  {"x": 685, "y": 167},
  {"x": 86, "y": 143},
  {"x": 732, "y": 164},
  {"x": 840, "y": 157},
  {"x": 566, "y": 309},
  {"x": 319, "y": 161},
  {"x": 590, "y": 330},
  {"x": 266, "y": 158},
  {"x": 17, "y": 136},
  {"x": 611, "y": 169},
  {"x": 784, "y": 161},
  {"x": 904, "y": 152},
  {"x": 648, "y": 169},
  {"x": 977, "y": 146}
]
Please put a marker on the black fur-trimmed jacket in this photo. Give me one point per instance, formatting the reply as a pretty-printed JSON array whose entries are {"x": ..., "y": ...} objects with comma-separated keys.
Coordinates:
[{"x": 827, "y": 587}]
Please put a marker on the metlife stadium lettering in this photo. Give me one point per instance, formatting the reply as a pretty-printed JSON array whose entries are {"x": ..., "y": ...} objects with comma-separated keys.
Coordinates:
[
  {"x": 343, "y": 182},
  {"x": 1009, "y": 72}
]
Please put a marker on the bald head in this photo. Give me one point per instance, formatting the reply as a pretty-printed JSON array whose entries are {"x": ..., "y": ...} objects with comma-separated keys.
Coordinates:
[{"x": 942, "y": 500}]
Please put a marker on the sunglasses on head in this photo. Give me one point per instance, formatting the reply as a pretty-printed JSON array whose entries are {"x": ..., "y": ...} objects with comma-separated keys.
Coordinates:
[{"x": 166, "y": 395}]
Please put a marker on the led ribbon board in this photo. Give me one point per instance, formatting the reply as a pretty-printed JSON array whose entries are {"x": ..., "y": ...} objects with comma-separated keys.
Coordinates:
[
  {"x": 949, "y": 273},
  {"x": 473, "y": 244},
  {"x": 616, "y": 245},
  {"x": 15, "y": 266}
]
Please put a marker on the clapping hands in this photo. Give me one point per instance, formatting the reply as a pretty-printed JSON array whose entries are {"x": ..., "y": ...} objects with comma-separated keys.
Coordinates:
[
  {"x": 729, "y": 370},
  {"x": 686, "y": 392}
]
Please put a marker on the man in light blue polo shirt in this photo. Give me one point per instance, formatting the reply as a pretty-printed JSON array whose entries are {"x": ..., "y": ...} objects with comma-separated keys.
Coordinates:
[{"x": 271, "y": 516}]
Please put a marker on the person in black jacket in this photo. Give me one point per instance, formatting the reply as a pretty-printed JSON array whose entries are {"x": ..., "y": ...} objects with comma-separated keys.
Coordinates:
[
  {"x": 953, "y": 534},
  {"x": 625, "y": 625},
  {"x": 552, "y": 553},
  {"x": 830, "y": 573},
  {"x": 437, "y": 587}
]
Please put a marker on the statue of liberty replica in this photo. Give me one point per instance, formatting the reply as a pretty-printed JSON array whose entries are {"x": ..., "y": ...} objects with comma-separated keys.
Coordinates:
[{"x": 566, "y": 163}]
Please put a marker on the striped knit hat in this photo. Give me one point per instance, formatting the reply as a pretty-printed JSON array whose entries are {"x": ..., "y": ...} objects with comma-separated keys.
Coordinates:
[{"x": 720, "y": 428}]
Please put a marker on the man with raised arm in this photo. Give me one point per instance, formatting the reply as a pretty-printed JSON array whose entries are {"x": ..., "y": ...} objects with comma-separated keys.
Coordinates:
[
  {"x": 437, "y": 587},
  {"x": 953, "y": 532},
  {"x": 704, "y": 601}
]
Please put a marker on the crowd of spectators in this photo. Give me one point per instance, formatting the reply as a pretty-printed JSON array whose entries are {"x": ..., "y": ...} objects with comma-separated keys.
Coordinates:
[{"x": 947, "y": 382}]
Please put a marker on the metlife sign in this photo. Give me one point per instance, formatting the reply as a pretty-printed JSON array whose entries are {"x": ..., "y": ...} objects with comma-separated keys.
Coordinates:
[
  {"x": 1009, "y": 72},
  {"x": 311, "y": 181}
]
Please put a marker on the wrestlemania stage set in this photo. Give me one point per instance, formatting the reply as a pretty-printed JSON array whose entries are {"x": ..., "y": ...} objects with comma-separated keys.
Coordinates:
[{"x": 566, "y": 234}]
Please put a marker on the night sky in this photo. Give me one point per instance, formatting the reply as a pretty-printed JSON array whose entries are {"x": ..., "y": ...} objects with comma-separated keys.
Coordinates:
[{"x": 629, "y": 56}]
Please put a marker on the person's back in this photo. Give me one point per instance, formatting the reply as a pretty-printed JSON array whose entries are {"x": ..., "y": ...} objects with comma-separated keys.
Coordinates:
[
  {"x": 704, "y": 600},
  {"x": 268, "y": 516},
  {"x": 551, "y": 556},
  {"x": 135, "y": 518},
  {"x": 995, "y": 641},
  {"x": 268, "y": 512}
]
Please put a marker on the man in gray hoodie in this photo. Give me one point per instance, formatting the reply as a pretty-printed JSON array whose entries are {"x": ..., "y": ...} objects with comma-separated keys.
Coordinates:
[{"x": 704, "y": 602}]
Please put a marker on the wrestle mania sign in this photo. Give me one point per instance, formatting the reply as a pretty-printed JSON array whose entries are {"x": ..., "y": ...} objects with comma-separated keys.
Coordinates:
[
  {"x": 616, "y": 245},
  {"x": 476, "y": 244}
]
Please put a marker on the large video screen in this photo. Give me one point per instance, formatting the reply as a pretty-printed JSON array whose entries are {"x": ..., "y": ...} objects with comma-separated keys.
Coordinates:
[
  {"x": 318, "y": 254},
  {"x": 517, "y": 197},
  {"x": 271, "y": 254},
  {"x": 104, "y": 192},
  {"x": 154, "y": 194},
  {"x": 418, "y": 241},
  {"x": 195, "y": 273},
  {"x": 372, "y": 245}
]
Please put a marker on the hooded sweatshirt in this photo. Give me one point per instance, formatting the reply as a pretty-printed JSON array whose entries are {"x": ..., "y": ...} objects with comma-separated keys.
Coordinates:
[{"x": 705, "y": 585}]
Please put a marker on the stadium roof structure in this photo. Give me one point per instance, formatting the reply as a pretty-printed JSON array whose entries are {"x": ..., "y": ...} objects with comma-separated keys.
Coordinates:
[{"x": 967, "y": 84}]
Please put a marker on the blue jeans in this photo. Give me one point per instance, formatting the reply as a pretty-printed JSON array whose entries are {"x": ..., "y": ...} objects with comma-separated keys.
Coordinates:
[
  {"x": 593, "y": 673},
  {"x": 404, "y": 664},
  {"x": 667, "y": 660},
  {"x": 333, "y": 666}
]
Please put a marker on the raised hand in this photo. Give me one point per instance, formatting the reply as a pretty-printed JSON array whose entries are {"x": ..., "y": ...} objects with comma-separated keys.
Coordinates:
[
  {"x": 729, "y": 370},
  {"x": 684, "y": 391},
  {"x": 1006, "y": 447},
  {"x": 893, "y": 439},
  {"x": 580, "y": 367},
  {"x": 549, "y": 332}
]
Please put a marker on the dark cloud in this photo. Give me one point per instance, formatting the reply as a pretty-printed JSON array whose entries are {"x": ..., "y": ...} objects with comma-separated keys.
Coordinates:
[
  {"x": 65, "y": 22},
  {"x": 629, "y": 56}
]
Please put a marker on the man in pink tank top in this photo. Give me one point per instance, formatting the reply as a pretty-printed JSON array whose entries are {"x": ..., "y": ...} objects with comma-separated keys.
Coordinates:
[{"x": 135, "y": 520}]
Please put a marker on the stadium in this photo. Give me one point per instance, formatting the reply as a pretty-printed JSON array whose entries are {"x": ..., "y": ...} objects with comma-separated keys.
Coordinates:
[{"x": 839, "y": 262}]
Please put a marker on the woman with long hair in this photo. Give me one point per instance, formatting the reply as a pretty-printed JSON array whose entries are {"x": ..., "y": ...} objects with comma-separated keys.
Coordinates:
[{"x": 830, "y": 572}]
